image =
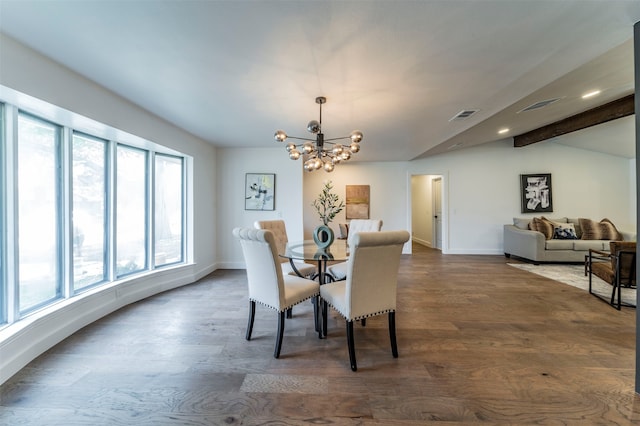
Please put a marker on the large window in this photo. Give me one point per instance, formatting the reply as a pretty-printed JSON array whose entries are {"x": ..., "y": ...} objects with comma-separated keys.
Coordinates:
[
  {"x": 131, "y": 207},
  {"x": 89, "y": 211},
  {"x": 168, "y": 210},
  {"x": 38, "y": 212},
  {"x": 82, "y": 205}
]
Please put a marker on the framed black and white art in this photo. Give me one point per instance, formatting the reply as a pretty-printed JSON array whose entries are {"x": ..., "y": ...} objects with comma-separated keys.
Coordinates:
[{"x": 536, "y": 193}]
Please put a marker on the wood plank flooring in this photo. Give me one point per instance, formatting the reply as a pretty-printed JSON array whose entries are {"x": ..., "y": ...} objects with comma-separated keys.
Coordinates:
[{"x": 479, "y": 341}]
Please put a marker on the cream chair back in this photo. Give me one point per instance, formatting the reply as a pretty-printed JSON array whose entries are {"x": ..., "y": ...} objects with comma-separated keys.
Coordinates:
[
  {"x": 372, "y": 275},
  {"x": 339, "y": 270},
  {"x": 362, "y": 225},
  {"x": 264, "y": 274},
  {"x": 279, "y": 232}
]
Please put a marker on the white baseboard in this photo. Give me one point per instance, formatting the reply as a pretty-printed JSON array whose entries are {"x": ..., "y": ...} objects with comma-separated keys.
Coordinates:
[{"x": 422, "y": 242}]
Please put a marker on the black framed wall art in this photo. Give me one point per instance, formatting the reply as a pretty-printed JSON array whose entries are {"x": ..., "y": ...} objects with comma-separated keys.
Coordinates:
[
  {"x": 536, "y": 193},
  {"x": 260, "y": 191}
]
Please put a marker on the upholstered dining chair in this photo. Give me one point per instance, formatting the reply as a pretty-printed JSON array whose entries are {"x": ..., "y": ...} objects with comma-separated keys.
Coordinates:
[
  {"x": 618, "y": 268},
  {"x": 370, "y": 286},
  {"x": 280, "y": 233},
  {"x": 339, "y": 270},
  {"x": 267, "y": 284}
]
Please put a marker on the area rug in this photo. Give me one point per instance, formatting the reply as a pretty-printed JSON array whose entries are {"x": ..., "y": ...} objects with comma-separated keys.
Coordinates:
[{"x": 573, "y": 275}]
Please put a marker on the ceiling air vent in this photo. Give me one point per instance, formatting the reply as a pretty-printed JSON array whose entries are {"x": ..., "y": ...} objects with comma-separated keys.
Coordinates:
[
  {"x": 464, "y": 114},
  {"x": 539, "y": 105}
]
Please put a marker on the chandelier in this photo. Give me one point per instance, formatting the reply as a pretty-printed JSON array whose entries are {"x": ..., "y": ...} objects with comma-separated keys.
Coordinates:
[{"x": 317, "y": 154}]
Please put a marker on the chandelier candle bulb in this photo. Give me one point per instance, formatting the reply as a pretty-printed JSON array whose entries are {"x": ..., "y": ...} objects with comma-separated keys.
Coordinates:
[{"x": 313, "y": 151}]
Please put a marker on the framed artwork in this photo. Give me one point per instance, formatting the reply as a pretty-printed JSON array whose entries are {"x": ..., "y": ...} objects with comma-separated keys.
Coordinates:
[
  {"x": 260, "y": 191},
  {"x": 357, "y": 202},
  {"x": 536, "y": 193}
]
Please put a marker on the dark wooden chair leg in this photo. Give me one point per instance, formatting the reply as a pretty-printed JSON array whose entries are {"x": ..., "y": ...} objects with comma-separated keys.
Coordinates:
[
  {"x": 616, "y": 288},
  {"x": 316, "y": 315},
  {"x": 290, "y": 313},
  {"x": 252, "y": 314},
  {"x": 392, "y": 334},
  {"x": 276, "y": 353},
  {"x": 351, "y": 345},
  {"x": 363, "y": 321},
  {"x": 324, "y": 318}
]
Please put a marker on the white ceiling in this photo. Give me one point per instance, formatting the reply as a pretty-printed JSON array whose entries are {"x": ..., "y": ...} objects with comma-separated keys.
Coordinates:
[{"x": 232, "y": 72}]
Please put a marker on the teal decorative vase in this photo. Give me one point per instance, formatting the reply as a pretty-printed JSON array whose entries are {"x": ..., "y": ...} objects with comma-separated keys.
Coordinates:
[{"x": 323, "y": 236}]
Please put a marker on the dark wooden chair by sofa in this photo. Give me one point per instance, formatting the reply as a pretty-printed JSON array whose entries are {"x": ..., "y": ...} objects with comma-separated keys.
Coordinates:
[{"x": 618, "y": 268}]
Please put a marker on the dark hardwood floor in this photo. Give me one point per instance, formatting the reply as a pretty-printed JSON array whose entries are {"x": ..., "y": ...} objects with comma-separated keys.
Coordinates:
[{"x": 479, "y": 342}]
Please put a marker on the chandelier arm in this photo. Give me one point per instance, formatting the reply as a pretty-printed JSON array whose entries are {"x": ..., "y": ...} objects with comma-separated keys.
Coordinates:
[
  {"x": 300, "y": 139},
  {"x": 336, "y": 139}
]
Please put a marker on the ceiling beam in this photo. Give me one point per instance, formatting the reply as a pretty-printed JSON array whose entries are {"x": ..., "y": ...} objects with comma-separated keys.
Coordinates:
[{"x": 607, "y": 112}]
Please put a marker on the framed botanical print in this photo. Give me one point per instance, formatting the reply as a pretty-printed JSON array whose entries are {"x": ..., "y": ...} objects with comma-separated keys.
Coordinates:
[
  {"x": 260, "y": 191},
  {"x": 536, "y": 193}
]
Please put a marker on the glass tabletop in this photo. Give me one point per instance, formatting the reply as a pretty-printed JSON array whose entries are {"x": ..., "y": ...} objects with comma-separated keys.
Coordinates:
[{"x": 308, "y": 250}]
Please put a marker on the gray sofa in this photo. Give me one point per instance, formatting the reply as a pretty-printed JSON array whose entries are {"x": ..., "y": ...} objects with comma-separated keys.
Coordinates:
[{"x": 524, "y": 243}]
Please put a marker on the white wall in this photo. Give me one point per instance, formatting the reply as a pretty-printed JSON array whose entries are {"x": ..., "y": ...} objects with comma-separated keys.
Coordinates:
[{"x": 232, "y": 165}]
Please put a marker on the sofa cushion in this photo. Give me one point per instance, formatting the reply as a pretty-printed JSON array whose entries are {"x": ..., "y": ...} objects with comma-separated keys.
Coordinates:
[
  {"x": 576, "y": 245},
  {"x": 542, "y": 225},
  {"x": 603, "y": 230},
  {"x": 558, "y": 245},
  {"x": 585, "y": 245}
]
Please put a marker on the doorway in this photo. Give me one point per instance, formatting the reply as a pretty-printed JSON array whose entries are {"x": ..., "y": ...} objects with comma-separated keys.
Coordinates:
[
  {"x": 427, "y": 217},
  {"x": 436, "y": 198}
]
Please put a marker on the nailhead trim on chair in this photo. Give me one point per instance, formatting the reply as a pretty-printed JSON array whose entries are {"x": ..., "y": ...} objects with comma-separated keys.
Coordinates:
[
  {"x": 362, "y": 316},
  {"x": 286, "y": 308}
]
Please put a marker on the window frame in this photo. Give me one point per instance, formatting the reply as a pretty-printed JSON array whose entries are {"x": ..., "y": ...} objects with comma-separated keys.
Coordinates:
[
  {"x": 182, "y": 211},
  {"x": 106, "y": 267},
  {"x": 11, "y": 104},
  {"x": 60, "y": 287}
]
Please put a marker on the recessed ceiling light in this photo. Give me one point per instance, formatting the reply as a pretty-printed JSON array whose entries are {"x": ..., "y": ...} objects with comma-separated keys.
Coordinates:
[
  {"x": 590, "y": 94},
  {"x": 503, "y": 131}
]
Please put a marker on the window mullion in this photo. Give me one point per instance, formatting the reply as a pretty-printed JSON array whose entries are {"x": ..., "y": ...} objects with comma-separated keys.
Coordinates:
[
  {"x": 11, "y": 214},
  {"x": 112, "y": 225},
  {"x": 65, "y": 216},
  {"x": 151, "y": 197}
]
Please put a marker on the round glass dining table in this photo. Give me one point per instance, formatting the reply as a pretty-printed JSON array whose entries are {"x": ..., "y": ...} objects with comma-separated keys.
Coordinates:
[{"x": 308, "y": 251}]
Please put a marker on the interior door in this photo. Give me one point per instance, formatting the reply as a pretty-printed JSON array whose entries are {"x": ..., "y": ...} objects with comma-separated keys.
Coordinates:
[{"x": 436, "y": 187}]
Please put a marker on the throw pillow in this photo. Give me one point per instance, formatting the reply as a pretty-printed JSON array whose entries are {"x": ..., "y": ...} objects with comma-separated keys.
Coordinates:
[
  {"x": 564, "y": 231},
  {"x": 543, "y": 226},
  {"x": 603, "y": 230},
  {"x": 555, "y": 222}
]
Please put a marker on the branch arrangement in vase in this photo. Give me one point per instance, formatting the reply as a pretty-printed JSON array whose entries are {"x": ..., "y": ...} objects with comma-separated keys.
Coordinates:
[{"x": 328, "y": 205}]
